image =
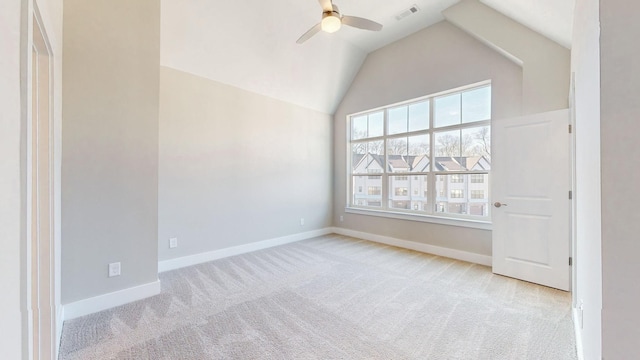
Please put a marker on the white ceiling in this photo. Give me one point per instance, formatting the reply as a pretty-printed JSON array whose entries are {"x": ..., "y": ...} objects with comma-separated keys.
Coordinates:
[{"x": 252, "y": 44}]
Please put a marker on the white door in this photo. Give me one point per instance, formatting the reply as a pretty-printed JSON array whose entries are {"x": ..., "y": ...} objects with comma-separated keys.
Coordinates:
[{"x": 530, "y": 191}]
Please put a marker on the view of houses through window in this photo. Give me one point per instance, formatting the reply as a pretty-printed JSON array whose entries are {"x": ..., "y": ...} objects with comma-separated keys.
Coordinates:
[{"x": 429, "y": 156}]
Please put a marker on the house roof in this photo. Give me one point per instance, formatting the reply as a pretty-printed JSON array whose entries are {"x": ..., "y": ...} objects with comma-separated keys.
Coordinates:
[{"x": 412, "y": 163}]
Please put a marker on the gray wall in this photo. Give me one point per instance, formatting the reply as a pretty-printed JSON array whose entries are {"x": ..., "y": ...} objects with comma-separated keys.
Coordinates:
[
  {"x": 545, "y": 64},
  {"x": 438, "y": 58},
  {"x": 585, "y": 59},
  {"x": 237, "y": 167},
  {"x": 110, "y": 144},
  {"x": 620, "y": 90}
]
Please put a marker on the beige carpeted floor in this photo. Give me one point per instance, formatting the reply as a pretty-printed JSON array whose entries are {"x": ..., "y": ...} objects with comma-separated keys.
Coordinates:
[{"x": 332, "y": 297}]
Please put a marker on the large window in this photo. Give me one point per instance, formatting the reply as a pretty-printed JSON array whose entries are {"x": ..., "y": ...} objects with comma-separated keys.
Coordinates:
[{"x": 428, "y": 156}]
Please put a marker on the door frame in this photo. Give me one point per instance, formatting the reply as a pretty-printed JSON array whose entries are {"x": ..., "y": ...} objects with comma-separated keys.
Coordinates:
[
  {"x": 572, "y": 159},
  {"x": 34, "y": 38}
]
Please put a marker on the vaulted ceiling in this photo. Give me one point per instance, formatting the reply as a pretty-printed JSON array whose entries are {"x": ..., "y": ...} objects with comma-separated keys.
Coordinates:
[{"x": 252, "y": 44}]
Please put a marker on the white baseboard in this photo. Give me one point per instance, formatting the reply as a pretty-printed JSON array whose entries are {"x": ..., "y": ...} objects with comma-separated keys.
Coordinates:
[
  {"x": 412, "y": 245},
  {"x": 121, "y": 297},
  {"x": 578, "y": 333},
  {"x": 110, "y": 300},
  {"x": 195, "y": 259}
]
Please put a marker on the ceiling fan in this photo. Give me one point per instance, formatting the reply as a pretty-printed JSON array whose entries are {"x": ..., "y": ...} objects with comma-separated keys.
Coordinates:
[{"x": 332, "y": 21}]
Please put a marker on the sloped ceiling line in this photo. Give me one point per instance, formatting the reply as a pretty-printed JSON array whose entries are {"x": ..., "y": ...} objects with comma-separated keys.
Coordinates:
[{"x": 251, "y": 44}]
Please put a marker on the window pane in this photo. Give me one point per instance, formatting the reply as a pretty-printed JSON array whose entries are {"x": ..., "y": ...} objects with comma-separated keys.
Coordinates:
[
  {"x": 477, "y": 143},
  {"x": 397, "y": 146},
  {"x": 367, "y": 191},
  {"x": 358, "y": 127},
  {"x": 367, "y": 126},
  {"x": 447, "y": 110},
  {"x": 419, "y": 193},
  {"x": 408, "y": 193},
  {"x": 418, "y": 145},
  {"x": 376, "y": 124},
  {"x": 476, "y": 105},
  {"x": 419, "y": 116},
  {"x": 447, "y": 143},
  {"x": 418, "y": 153},
  {"x": 478, "y": 203},
  {"x": 459, "y": 194},
  {"x": 358, "y": 154},
  {"x": 398, "y": 164},
  {"x": 398, "y": 120},
  {"x": 367, "y": 157},
  {"x": 397, "y": 155},
  {"x": 376, "y": 147}
]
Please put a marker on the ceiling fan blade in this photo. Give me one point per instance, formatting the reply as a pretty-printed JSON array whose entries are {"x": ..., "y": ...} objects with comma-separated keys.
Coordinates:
[
  {"x": 314, "y": 30},
  {"x": 361, "y": 23},
  {"x": 326, "y": 5}
]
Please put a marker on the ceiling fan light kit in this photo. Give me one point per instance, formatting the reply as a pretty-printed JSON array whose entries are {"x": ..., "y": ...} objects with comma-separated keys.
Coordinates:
[{"x": 332, "y": 21}]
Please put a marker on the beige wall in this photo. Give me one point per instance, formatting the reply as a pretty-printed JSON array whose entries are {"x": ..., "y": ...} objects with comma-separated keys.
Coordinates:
[
  {"x": 620, "y": 152},
  {"x": 585, "y": 65},
  {"x": 110, "y": 145},
  {"x": 545, "y": 64},
  {"x": 435, "y": 59},
  {"x": 237, "y": 167}
]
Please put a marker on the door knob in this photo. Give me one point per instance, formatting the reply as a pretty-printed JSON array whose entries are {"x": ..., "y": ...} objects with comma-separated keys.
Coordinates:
[{"x": 498, "y": 204}]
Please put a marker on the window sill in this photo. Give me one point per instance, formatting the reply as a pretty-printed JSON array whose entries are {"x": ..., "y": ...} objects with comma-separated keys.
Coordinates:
[{"x": 468, "y": 223}]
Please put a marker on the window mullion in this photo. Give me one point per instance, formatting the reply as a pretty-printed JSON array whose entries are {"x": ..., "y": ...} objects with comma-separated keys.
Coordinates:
[
  {"x": 431, "y": 179},
  {"x": 385, "y": 174}
]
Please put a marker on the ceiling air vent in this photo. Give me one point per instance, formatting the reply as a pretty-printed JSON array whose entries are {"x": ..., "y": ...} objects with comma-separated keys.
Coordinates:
[{"x": 410, "y": 11}]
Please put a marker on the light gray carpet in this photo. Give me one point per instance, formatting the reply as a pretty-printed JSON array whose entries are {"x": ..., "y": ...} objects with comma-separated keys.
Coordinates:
[{"x": 332, "y": 297}]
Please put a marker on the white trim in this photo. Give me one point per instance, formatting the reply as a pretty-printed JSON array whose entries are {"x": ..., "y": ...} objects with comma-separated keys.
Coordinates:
[
  {"x": 578, "y": 333},
  {"x": 177, "y": 263},
  {"x": 468, "y": 223},
  {"x": 110, "y": 300},
  {"x": 59, "y": 323},
  {"x": 412, "y": 245}
]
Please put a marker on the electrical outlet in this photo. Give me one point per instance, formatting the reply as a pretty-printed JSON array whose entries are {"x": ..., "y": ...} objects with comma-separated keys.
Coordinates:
[
  {"x": 114, "y": 269},
  {"x": 173, "y": 243},
  {"x": 301, "y": 221},
  {"x": 341, "y": 218}
]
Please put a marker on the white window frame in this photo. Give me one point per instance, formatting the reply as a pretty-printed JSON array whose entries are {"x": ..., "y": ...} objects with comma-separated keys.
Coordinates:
[{"x": 462, "y": 220}]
